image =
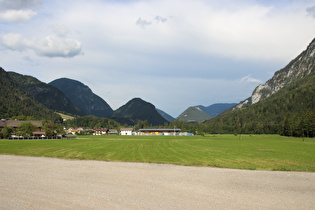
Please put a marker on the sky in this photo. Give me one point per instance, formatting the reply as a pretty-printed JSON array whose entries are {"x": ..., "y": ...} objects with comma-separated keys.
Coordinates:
[{"x": 171, "y": 53}]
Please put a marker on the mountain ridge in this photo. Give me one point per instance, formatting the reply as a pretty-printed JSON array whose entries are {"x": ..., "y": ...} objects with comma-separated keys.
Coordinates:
[
  {"x": 48, "y": 95},
  {"x": 193, "y": 114},
  {"x": 215, "y": 109},
  {"x": 166, "y": 116},
  {"x": 292, "y": 102},
  {"x": 82, "y": 97},
  {"x": 298, "y": 68},
  {"x": 14, "y": 101},
  {"x": 139, "y": 110}
]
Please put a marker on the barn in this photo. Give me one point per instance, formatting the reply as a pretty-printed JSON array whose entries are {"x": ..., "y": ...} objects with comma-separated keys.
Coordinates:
[{"x": 160, "y": 131}]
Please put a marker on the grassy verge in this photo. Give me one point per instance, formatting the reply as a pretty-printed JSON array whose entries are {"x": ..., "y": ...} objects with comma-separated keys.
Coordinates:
[{"x": 256, "y": 152}]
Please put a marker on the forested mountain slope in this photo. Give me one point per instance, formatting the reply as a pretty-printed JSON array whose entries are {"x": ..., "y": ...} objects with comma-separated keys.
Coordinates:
[
  {"x": 294, "y": 102},
  {"x": 82, "y": 97},
  {"x": 298, "y": 68},
  {"x": 137, "y": 110},
  {"x": 193, "y": 115},
  {"x": 165, "y": 115},
  {"x": 16, "y": 102},
  {"x": 50, "y": 96}
]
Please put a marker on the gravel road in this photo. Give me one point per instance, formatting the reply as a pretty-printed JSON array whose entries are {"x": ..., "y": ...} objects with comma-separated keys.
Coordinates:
[{"x": 49, "y": 183}]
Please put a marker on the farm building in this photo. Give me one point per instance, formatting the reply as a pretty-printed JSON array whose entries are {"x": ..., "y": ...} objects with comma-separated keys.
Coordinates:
[
  {"x": 126, "y": 131},
  {"x": 101, "y": 131},
  {"x": 112, "y": 132},
  {"x": 159, "y": 131},
  {"x": 15, "y": 124}
]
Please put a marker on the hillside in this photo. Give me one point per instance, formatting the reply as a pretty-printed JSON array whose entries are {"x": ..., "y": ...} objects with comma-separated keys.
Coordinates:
[
  {"x": 81, "y": 96},
  {"x": 298, "y": 68},
  {"x": 216, "y": 109},
  {"x": 137, "y": 109},
  {"x": 165, "y": 115},
  {"x": 48, "y": 95},
  {"x": 16, "y": 102},
  {"x": 193, "y": 115},
  {"x": 294, "y": 101}
]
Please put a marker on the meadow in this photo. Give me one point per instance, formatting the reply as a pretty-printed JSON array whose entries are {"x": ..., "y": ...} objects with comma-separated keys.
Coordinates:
[{"x": 253, "y": 152}]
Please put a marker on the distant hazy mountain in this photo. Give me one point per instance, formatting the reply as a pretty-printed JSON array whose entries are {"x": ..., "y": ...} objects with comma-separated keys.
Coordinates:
[
  {"x": 215, "y": 109},
  {"x": 14, "y": 101},
  {"x": 82, "y": 97},
  {"x": 136, "y": 110},
  {"x": 50, "y": 96},
  {"x": 298, "y": 68},
  {"x": 194, "y": 115},
  {"x": 165, "y": 115}
]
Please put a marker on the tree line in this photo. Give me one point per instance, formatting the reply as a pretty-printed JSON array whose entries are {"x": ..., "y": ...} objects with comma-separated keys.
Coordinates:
[{"x": 26, "y": 129}]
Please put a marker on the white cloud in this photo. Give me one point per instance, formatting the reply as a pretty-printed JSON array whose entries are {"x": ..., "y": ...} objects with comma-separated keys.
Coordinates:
[
  {"x": 15, "y": 16},
  {"x": 243, "y": 31},
  {"x": 250, "y": 79},
  {"x": 14, "y": 41},
  {"x": 160, "y": 19},
  {"x": 52, "y": 46},
  {"x": 49, "y": 46},
  {"x": 143, "y": 23},
  {"x": 60, "y": 30},
  {"x": 311, "y": 11},
  {"x": 19, "y": 4}
]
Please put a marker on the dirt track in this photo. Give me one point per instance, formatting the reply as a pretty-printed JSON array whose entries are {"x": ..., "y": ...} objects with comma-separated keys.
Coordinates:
[{"x": 47, "y": 183}]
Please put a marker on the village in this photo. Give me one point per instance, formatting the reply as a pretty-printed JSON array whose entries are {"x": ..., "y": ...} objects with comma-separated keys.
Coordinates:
[{"x": 39, "y": 132}]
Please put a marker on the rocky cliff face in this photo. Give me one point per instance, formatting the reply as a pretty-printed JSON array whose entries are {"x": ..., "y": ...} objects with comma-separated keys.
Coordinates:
[{"x": 298, "y": 68}]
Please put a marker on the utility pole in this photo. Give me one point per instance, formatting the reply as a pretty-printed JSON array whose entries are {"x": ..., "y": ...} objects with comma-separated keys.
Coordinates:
[{"x": 174, "y": 131}]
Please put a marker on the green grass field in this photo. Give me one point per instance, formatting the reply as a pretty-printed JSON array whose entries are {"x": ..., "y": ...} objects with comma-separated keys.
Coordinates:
[{"x": 256, "y": 152}]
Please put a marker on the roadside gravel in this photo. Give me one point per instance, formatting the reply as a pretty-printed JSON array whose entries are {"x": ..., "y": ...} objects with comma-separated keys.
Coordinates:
[{"x": 50, "y": 183}]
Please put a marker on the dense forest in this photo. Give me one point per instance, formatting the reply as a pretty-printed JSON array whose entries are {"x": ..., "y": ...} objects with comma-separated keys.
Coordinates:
[{"x": 14, "y": 102}]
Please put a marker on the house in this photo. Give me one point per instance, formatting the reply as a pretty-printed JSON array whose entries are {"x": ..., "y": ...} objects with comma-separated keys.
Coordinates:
[
  {"x": 112, "y": 132},
  {"x": 75, "y": 131},
  {"x": 15, "y": 124},
  {"x": 126, "y": 131},
  {"x": 160, "y": 131},
  {"x": 39, "y": 134},
  {"x": 101, "y": 131}
]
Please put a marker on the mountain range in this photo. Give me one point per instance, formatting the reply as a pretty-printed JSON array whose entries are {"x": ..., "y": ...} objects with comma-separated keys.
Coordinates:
[
  {"x": 49, "y": 96},
  {"x": 72, "y": 97},
  {"x": 290, "y": 90}
]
